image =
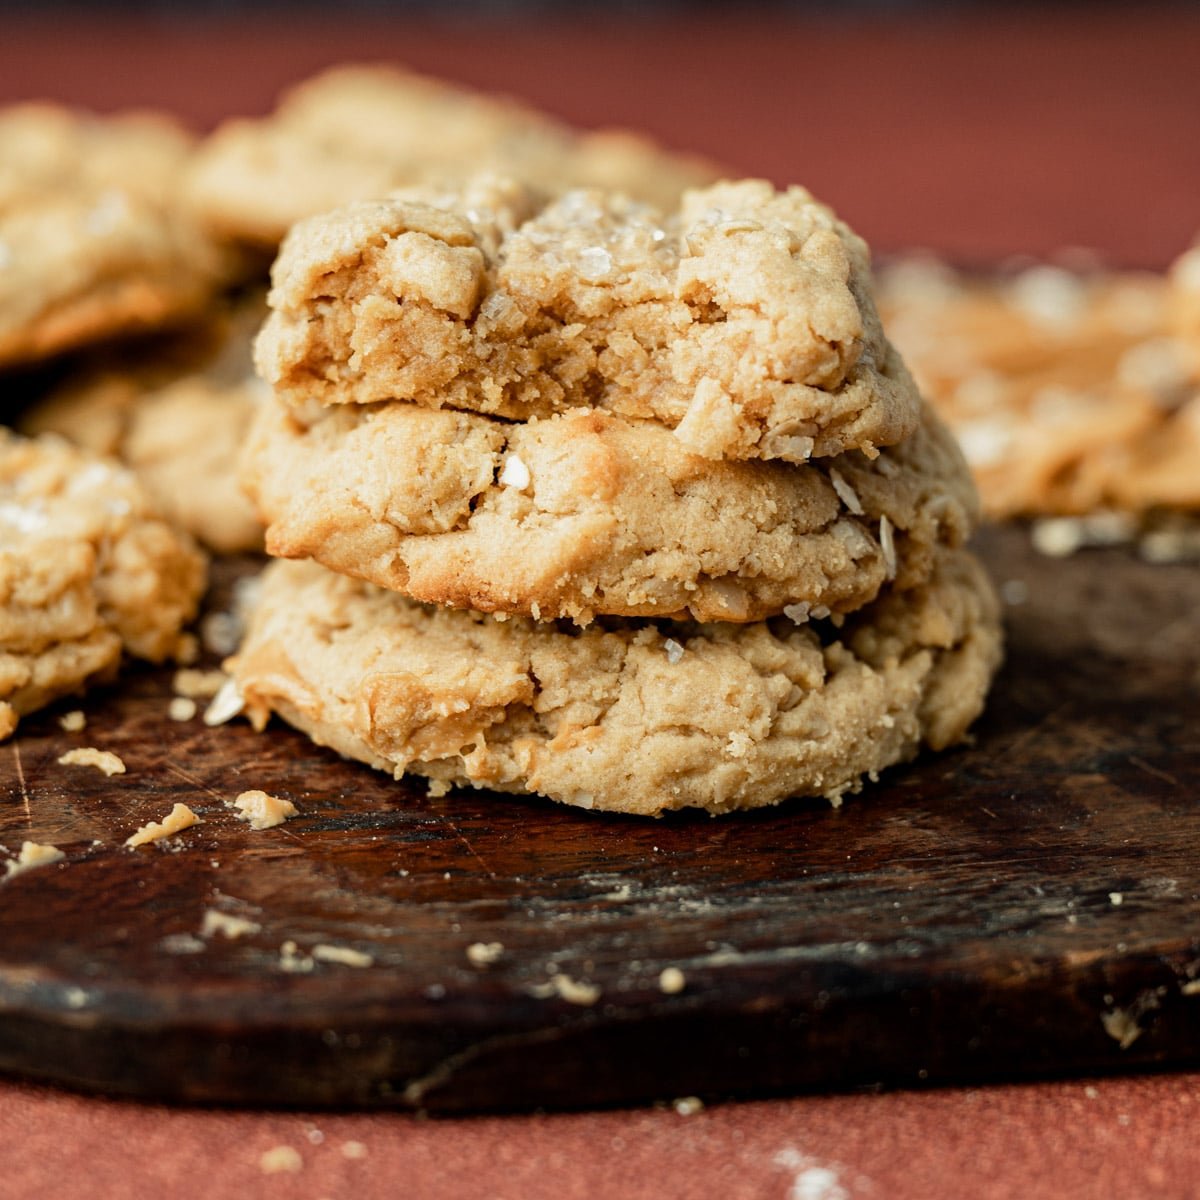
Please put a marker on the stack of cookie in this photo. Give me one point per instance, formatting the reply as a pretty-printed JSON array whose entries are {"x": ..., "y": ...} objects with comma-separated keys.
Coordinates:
[{"x": 635, "y": 510}]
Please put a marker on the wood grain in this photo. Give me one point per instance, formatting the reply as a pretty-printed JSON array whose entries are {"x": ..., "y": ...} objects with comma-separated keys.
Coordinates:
[{"x": 1009, "y": 909}]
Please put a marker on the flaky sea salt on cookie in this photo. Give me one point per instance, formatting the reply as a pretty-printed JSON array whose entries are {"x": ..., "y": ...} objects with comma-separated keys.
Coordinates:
[
  {"x": 357, "y": 132},
  {"x": 87, "y": 568},
  {"x": 176, "y": 411},
  {"x": 622, "y": 717},
  {"x": 742, "y": 320},
  {"x": 588, "y": 513},
  {"x": 93, "y": 242}
]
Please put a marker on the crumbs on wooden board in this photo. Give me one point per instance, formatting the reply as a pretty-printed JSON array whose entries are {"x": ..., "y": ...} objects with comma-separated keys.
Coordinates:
[
  {"x": 178, "y": 819},
  {"x": 33, "y": 854},
  {"x": 89, "y": 756},
  {"x": 261, "y": 810}
]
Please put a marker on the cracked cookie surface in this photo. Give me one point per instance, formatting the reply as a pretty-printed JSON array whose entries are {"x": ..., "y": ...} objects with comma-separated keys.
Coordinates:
[
  {"x": 87, "y": 569},
  {"x": 742, "y": 321},
  {"x": 356, "y": 133},
  {"x": 93, "y": 241},
  {"x": 176, "y": 413},
  {"x": 622, "y": 717},
  {"x": 587, "y": 513}
]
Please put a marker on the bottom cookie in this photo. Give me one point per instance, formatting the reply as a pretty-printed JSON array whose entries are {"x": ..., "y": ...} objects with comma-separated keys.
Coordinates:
[{"x": 623, "y": 716}]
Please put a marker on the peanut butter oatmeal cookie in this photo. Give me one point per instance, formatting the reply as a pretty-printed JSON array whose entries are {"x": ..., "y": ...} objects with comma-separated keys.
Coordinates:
[
  {"x": 1069, "y": 394},
  {"x": 87, "y": 568},
  {"x": 623, "y": 717},
  {"x": 175, "y": 412},
  {"x": 357, "y": 133},
  {"x": 742, "y": 321},
  {"x": 93, "y": 241},
  {"x": 587, "y": 512}
]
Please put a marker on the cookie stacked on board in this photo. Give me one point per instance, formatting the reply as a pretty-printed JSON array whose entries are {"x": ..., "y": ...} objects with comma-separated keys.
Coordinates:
[{"x": 635, "y": 509}]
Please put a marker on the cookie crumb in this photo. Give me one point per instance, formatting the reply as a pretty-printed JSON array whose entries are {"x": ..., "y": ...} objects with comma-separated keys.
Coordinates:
[
  {"x": 74, "y": 721},
  {"x": 514, "y": 473},
  {"x": 292, "y": 961},
  {"x": 198, "y": 685},
  {"x": 342, "y": 955},
  {"x": 280, "y": 1160},
  {"x": 181, "y": 708},
  {"x": 671, "y": 981},
  {"x": 688, "y": 1106},
  {"x": 89, "y": 756},
  {"x": 674, "y": 650},
  {"x": 354, "y": 1150},
  {"x": 227, "y": 925},
  {"x": 483, "y": 954},
  {"x": 261, "y": 810},
  {"x": 1116, "y": 899},
  {"x": 176, "y": 821},
  {"x": 1121, "y": 1025},
  {"x": 33, "y": 854},
  {"x": 226, "y": 704},
  {"x": 575, "y": 991}
]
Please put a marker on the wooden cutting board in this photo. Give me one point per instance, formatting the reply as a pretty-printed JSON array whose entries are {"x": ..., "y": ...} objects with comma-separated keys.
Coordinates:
[{"x": 1026, "y": 906}]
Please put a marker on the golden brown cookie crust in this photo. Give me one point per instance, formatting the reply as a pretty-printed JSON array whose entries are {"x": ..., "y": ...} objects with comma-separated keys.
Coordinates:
[
  {"x": 586, "y": 512},
  {"x": 87, "y": 568},
  {"x": 622, "y": 717},
  {"x": 743, "y": 321},
  {"x": 359, "y": 132},
  {"x": 176, "y": 413},
  {"x": 93, "y": 242}
]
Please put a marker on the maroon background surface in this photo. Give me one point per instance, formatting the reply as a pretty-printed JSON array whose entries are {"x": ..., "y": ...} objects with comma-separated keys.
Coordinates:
[{"x": 979, "y": 137}]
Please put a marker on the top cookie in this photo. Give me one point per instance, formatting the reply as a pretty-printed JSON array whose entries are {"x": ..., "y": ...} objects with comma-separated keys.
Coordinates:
[
  {"x": 743, "y": 320},
  {"x": 355, "y": 133},
  {"x": 92, "y": 239},
  {"x": 1069, "y": 394}
]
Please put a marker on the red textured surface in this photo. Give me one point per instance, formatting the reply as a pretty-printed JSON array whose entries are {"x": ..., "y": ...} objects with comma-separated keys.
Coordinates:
[
  {"x": 979, "y": 137},
  {"x": 1102, "y": 1140}
]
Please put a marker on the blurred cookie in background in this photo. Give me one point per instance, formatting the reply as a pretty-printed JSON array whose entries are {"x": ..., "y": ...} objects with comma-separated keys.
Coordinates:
[
  {"x": 1075, "y": 396},
  {"x": 359, "y": 132},
  {"x": 94, "y": 242},
  {"x": 175, "y": 409}
]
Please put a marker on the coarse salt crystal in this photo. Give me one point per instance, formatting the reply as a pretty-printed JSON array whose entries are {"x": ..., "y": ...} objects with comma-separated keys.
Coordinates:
[
  {"x": 674, "y": 650},
  {"x": 797, "y": 613},
  {"x": 595, "y": 263}
]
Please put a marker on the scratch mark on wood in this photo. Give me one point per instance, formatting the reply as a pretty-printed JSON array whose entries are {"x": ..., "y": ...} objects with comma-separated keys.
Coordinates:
[
  {"x": 188, "y": 778},
  {"x": 462, "y": 837},
  {"x": 21, "y": 780},
  {"x": 1151, "y": 769}
]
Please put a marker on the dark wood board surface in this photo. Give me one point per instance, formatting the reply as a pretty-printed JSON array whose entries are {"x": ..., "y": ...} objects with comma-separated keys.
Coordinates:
[{"x": 1029, "y": 905}]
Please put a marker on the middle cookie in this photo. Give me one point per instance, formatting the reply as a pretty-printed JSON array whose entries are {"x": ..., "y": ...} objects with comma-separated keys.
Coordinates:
[{"x": 586, "y": 513}]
